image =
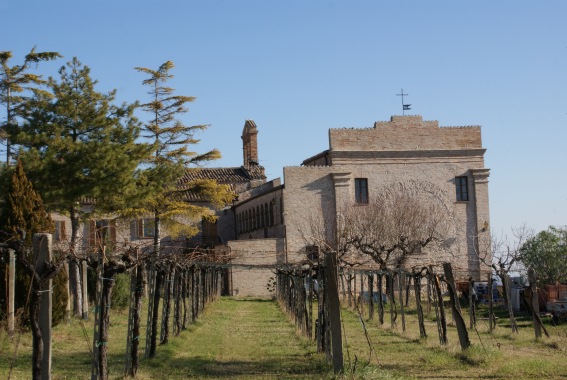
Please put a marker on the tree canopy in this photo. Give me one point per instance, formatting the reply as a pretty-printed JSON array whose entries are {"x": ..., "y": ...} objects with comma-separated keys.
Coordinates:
[
  {"x": 171, "y": 139},
  {"x": 15, "y": 81},
  {"x": 546, "y": 253}
]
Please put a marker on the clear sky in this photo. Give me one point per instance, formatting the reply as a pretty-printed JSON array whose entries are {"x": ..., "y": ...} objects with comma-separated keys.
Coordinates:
[{"x": 298, "y": 68}]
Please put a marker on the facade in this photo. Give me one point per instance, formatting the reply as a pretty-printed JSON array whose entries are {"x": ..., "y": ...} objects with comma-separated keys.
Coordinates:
[
  {"x": 443, "y": 165},
  {"x": 272, "y": 223}
]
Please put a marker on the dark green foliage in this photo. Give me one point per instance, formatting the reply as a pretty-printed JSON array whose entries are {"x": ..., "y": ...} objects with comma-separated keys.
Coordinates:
[
  {"x": 171, "y": 157},
  {"x": 77, "y": 144},
  {"x": 546, "y": 253},
  {"x": 24, "y": 210},
  {"x": 121, "y": 291},
  {"x": 15, "y": 81}
]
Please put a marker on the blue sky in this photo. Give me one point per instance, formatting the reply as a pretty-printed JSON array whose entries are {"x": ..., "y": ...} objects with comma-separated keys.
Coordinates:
[{"x": 298, "y": 68}]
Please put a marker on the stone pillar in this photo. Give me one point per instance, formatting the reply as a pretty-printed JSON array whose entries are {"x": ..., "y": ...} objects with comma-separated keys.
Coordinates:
[
  {"x": 483, "y": 242},
  {"x": 11, "y": 289},
  {"x": 42, "y": 249},
  {"x": 342, "y": 183}
]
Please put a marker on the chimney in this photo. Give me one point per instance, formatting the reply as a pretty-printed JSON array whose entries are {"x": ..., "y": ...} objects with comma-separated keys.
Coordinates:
[{"x": 250, "y": 143}]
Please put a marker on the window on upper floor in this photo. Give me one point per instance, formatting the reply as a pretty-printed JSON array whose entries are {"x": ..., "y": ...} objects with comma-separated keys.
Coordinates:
[
  {"x": 462, "y": 188},
  {"x": 361, "y": 190}
]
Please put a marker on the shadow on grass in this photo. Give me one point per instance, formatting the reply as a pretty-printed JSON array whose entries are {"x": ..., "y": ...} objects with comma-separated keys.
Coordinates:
[{"x": 203, "y": 367}]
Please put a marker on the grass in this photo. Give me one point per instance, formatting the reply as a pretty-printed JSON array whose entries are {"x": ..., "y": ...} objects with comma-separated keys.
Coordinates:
[{"x": 253, "y": 339}]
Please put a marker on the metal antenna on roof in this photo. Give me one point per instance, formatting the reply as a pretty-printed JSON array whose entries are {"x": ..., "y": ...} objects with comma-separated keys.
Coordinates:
[{"x": 405, "y": 107}]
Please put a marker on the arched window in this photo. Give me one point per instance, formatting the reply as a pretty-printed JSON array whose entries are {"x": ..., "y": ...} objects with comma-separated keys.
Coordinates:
[
  {"x": 257, "y": 217},
  {"x": 272, "y": 213},
  {"x": 262, "y": 219},
  {"x": 247, "y": 227}
]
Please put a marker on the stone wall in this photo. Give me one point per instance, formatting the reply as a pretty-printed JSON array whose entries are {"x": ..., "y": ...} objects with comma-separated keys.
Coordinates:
[
  {"x": 253, "y": 262},
  {"x": 405, "y": 133},
  {"x": 407, "y": 153}
]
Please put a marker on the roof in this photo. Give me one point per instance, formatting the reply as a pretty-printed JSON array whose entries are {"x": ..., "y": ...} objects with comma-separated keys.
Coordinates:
[{"x": 225, "y": 175}]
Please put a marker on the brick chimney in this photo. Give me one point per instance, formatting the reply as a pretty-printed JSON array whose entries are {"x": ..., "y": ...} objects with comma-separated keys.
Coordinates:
[{"x": 250, "y": 143}]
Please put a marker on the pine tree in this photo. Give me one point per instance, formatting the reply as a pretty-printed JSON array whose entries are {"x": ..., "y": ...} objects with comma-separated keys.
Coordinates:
[
  {"x": 171, "y": 158},
  {"x": 14, "y": 82},
  {"x": 78, "y": 145},
  {"x": 24, "y": 210}
]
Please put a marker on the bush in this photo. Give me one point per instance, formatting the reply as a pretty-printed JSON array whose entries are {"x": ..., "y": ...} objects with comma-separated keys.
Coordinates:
[{"x": 121, "y": 292}]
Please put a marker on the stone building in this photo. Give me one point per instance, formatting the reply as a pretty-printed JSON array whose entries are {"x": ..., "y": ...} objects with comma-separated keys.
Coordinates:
[
  {"x": 433, "y": 163},
  {"x": 270, "y": 222}
]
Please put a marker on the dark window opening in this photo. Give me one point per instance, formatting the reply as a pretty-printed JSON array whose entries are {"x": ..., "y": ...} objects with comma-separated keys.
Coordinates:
[
  {"x": 461, "y": 185},
  {"x": 361, "y": 190}
]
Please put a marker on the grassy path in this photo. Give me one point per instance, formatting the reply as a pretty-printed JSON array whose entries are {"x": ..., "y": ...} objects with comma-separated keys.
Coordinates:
[{"x": 237, "y": 339}]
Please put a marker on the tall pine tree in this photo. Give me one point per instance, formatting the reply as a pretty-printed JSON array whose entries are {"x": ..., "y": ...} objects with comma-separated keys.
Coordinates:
[
  {"x": 78, "y": 145},
  {"x": 171, "y": 158}
]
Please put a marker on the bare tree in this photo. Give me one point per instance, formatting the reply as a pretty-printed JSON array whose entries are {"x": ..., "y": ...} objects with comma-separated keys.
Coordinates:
[
  {"x": 396, "y": 226},
  {"x": 504, "y": 258}
]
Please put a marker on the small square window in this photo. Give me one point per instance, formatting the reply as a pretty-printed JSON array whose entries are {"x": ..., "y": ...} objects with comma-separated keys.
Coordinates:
[
  {"x": 461, "y": 185},
  {"x": 361, "y": 190}
]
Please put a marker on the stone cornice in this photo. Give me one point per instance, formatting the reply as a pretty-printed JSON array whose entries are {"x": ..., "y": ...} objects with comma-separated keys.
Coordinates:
[
  {"x": 341, "y": 179},
  {"x": 480, "y": 175},
  {"x": 478, "y": 152}
]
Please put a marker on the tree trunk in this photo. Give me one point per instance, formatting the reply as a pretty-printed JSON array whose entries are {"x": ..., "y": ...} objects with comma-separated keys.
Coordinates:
[
  {"x": 107, "y": 287},
  {"x": 34, "y": 309},
  {"x": 74, "y": 270},
  {"x": 157, "y": 296},
  {"x": 136, "y": 318}
]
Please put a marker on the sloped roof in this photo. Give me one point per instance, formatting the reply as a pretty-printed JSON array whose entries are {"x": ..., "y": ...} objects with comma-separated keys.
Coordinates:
[{"x": 225, "y": 176}]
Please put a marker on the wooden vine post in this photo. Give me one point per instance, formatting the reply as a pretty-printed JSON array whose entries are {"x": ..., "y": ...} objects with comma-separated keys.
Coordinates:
[
  {"x": 401, "y": 285},
  {"x": 538, "y": 325},
  {"x": 491, "y": 321},
  {"x": 456, "y": 308},
  {"x": 107, "y": 267},
  {"x": 334, "y": 307},
  {"x": 439, "y": 308},
  {"x": 419, "y": 308},
  {"x": 507, "y": 284}
]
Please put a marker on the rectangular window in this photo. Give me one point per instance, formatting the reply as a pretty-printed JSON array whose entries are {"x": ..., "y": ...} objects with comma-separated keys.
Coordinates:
[
  {"x": 146, "y": 228},
  {"x": 461, "y": 185},
  {"x": 60, "y": 233},
  {"x": 361, "y": 190},
  {"x": 102, "y": 232}
]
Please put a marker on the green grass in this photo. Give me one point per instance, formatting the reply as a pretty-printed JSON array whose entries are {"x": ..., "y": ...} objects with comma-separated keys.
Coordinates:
[{"x": 253, "y": 339}]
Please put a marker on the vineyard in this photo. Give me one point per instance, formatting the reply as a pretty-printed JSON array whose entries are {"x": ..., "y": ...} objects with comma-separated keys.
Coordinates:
[{"x": 325, "y": 321}]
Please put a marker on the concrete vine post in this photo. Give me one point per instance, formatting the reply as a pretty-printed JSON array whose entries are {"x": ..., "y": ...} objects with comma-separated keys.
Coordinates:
[{"x": 11, "y": 267}]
